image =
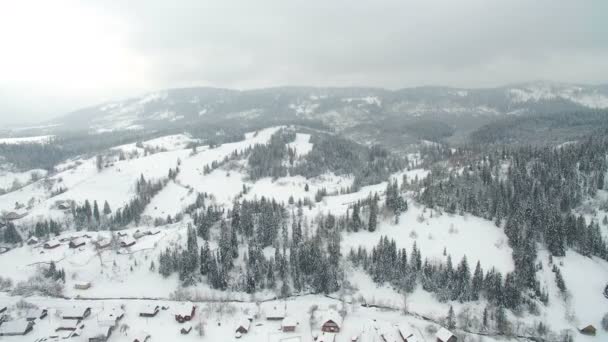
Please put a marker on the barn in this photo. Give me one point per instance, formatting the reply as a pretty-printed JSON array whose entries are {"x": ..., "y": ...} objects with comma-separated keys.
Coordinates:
[
  {"x": 185, "y": 313},
  {"x": 444, "y": 335},
  {"x": 16, "y": 328},
  {"x": 331, "y": 322}
]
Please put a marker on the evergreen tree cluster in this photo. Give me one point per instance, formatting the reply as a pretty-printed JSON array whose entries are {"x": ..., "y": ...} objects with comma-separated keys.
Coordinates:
[
  {"x": 10, "y": 234},
  {"x": 387, "y": 263},
  {"x": 266, "y": 160},
  {"x": 145, "y": 190},
  {"x": 45, "y": 228},
  {"x": 533, "y": 191}
]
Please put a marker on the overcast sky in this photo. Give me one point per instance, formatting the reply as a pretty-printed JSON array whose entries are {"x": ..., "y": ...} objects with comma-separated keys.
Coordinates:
[{"x": 57, "y": 56}]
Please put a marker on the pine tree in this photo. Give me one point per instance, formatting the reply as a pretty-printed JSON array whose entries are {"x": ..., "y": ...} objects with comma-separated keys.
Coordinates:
[
  {"x": 11, "y": 235},
  {"x": 450, "y": 320},
  {"x": 96, "y": 212},
  {"x": 373, "y": 215},
  {"x": 106, "y": 208}
]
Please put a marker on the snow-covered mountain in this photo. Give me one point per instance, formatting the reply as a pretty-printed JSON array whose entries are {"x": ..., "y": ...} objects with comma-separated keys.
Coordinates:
[{"x": 341, "y": 108}]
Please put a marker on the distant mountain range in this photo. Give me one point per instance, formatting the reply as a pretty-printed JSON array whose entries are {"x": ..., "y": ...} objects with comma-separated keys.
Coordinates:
[{"x": 339, "y": 108}]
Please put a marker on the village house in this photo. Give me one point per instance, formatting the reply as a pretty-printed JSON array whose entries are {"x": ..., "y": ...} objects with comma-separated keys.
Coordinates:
[
  {"x": 149, "y": 310},
  {"x": 141, "y": 336},
  {"x": 288, "y": 324},
  {"x": 16, "y": 328},
  {"x": 444, "y": 335},
  {"x": 76, "y": 313},
  {"x": 587, "y": 330},
  {"x": 82, "y": 285},
  {"x": 185, "y": 312},
  {"x": 331, "y": 322},
  {"x": 51, "y": 244},
  {"x": 77, "y": 243},
  {"x": 276, "y": 313},
  {"x": 127, "y": 241},
  {"x": 122, "y": 234},
  {"x": 32, "y": 240},
  {"x": 36, "y": 314}
]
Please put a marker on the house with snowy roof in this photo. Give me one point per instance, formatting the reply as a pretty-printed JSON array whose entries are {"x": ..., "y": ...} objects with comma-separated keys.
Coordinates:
[
  {"x": 331, "y": 321},
  {"x": 444, "y": 335},
  {"x": 18, "y": 327}
]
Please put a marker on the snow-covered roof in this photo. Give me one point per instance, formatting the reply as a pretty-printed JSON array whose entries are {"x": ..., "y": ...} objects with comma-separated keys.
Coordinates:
[
  {"x": 149, "y": 308},
  {"x": 289, "y": 321},
  {"x": 407, "y": 332},
  {"x": 68, "y": 324},
  {"x": 277, "y": 311},
  {"x": 109, "y": 316},
  {"x": 52, "y": 243},
  {"x": 444, "y": 334},
  {"x": 15, "y": 327},
  {"x": 34, "y": 313},
  {"x": 78, "y": 241},
  {"x": 127, "y": 240},
  {"x": 184, "y": 309},
  {"x": 94, "y": 329},
  {"x": 331, "y": 315},
  {"x": 243, "y": 322},
  {"x": 74, "y": 311}
]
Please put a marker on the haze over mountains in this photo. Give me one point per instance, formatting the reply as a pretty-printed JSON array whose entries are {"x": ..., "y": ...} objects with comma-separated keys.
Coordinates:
[{"x": 340, "y": 108}]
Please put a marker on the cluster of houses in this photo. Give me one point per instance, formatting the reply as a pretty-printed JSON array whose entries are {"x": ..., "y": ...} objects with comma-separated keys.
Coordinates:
[{"x": 80, "y": 240}]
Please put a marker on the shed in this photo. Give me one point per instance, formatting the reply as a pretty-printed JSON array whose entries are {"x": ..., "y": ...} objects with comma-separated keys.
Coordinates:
[
  {"x": 82, "y": 285},
  {"x": 127, "y": 241},
  {"x": 51, "y": 244},
  {"x": 331, "y": 321},
  {"x": 139, "y": 234},
  {"x": 587, "y": 330},
  {"x": 77, "y": 243},
  {"x": 16, "y": 328},
  {"x": 103, "y": 243},
  {"x": 78, "y": 313},
  {"x": 32, "y": 240},
  {"x": 444, "y": 335},
  {"x": 141, "y": 336},
  {"x": 288, "y": 324},
  {"x": 243, "y": 326},
  {"x": 185, "y": 312},
  {"x": 149, "y": 310}
]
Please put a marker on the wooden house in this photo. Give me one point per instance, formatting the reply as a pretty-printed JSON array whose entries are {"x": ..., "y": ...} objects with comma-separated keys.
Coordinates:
[
  {"x": 110, "y": 316},
  {"x": 288, "y": 324},
  {"x": 122, "y": 234},
  {"x": 444, "y": 335},
  {"x": 185, "y": 313},
  {"x": 331, "y": 322},
  {"x": 149, "y": 310},
  {"x": 77, "y": 243},
  {"x": 76, "y": 313},
  {"x": 32, "y": 240},
  {"x": 587, "y": 330},
  {"x": 141, "y": 336},
  {"x": 51, "y": 244},
  {"x": 16, "y": 328},
  {"x": 103, "y": 243},
  {"x": 82, "y": 285},
  {"x": 69, "y": 325}
]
